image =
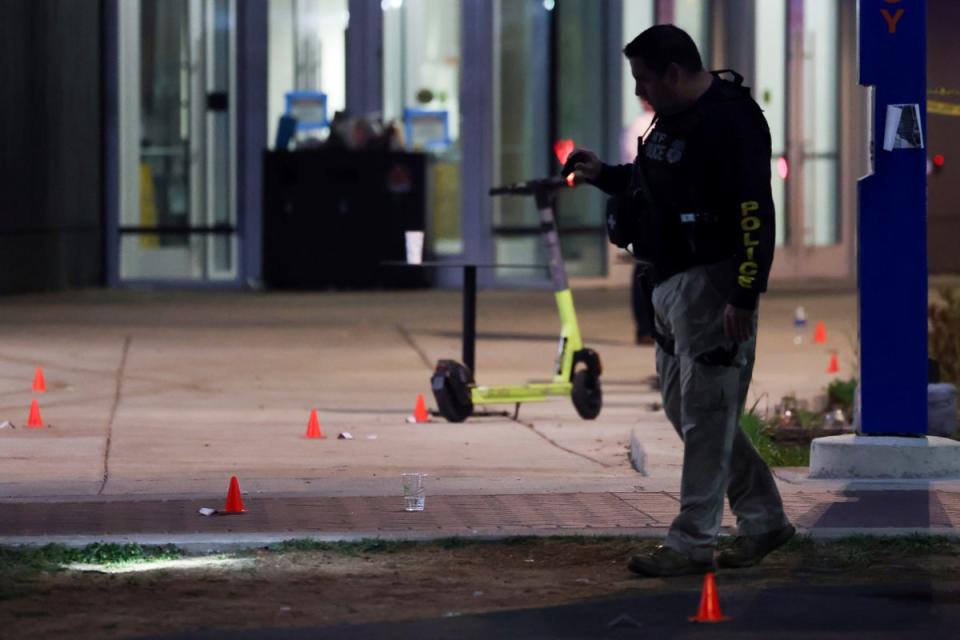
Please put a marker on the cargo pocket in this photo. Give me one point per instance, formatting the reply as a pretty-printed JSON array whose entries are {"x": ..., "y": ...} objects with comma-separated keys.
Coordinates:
[{"x": 711, "y": 387}]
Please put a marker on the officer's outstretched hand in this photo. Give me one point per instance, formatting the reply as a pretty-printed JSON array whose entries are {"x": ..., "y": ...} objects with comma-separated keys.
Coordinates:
[
  {"x": 738, "y": 323},
  {"x": 583, "y": 164}
]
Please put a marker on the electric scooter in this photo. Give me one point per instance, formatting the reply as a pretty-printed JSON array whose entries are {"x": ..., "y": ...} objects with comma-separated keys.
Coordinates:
[{"x": 577, "y": 369}]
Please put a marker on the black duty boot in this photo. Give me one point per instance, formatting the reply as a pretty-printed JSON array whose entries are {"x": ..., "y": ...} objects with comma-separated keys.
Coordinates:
[
  {"x": 749, "y": 550},
  {"x": 664, "y": 562}
]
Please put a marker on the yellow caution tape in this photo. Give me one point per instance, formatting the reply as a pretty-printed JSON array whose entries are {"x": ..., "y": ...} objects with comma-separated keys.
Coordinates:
[
  {"x": 943, "y": 91},
  {"x": 148, "y": 207},
  {"x": 943, "y": 108}
]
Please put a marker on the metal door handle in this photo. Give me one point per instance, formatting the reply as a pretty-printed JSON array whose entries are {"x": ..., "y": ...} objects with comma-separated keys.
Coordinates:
[{"x": 217, "y": 101}]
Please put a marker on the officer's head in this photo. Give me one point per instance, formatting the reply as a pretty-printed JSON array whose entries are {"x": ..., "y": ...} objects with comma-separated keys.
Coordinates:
[{"x": 665, "y": 63}]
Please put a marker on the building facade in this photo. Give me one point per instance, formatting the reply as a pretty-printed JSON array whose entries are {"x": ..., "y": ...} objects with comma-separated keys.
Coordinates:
[{"x": 166, "y": 110}]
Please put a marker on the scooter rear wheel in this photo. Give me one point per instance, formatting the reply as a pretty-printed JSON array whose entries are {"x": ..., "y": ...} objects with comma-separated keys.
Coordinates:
[
  {"x": 451, "y": 383},
  {"x": 586, "y": 395}
]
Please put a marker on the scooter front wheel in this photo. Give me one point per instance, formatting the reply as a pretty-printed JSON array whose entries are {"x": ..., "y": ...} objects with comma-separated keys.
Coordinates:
[{"x": 586, "y": 395}]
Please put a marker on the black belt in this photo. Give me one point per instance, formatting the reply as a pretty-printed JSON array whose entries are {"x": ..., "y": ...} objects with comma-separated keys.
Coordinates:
[{"x": 658, "y": 275}]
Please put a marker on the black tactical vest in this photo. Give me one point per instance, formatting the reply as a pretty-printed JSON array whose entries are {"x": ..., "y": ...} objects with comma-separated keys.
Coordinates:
[{"x": 680, "y": 224}]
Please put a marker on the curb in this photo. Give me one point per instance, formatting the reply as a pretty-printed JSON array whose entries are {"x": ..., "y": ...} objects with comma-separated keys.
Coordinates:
[
  {"x": 205, "y": 543},
  {"x": 638, "y": 457}
]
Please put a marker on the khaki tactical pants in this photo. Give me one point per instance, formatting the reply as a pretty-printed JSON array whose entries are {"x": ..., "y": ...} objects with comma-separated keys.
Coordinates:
[{"x": 704, "y": 383}]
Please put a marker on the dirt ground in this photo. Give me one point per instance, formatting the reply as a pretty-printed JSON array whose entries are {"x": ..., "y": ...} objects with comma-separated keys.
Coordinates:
[{"x": 317, "y": 585}]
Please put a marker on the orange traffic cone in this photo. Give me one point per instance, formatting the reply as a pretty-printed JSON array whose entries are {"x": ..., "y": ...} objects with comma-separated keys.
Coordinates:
[
  {"x": 820, "y": 334},
  {"x": 234, "y": 501},
  {"x": 313, "y": 426},
  {"x": 420, "y": 411},
  {"x": 834, "y": 366},
  {"x": 709, "y": 603},
  {"x": 39, "y": 384},
  {"x": 34, "y": 421}
]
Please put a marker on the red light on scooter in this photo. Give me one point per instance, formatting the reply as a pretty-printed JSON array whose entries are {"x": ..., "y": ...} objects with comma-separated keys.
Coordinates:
[
  {"x": 783, "y": 167},
  {"x": 563, "y": 149},
  {"x": 938, "y": 160},
  {"x": 571, "y": 180}
]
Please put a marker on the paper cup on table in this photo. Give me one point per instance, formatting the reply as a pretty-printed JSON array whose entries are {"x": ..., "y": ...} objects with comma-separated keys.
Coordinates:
[{"x": 414, "y": 247}]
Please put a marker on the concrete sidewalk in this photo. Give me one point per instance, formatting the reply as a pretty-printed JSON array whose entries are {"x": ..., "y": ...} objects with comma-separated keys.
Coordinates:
[
  {"x": 156, "y": 399},
  {"x": 273, "y": 519}
]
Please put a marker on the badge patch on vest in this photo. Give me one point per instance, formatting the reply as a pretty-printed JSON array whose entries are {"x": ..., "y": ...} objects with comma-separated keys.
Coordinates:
[
  {"x": 675, "y": 153},
  {"x": 656, "y": 146}
]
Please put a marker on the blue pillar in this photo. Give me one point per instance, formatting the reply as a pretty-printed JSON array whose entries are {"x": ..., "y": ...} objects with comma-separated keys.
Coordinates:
[
  {"x": 892, "y": 226},
  {"x": 364, "y": 58},
  {"x": 252, "y": 18}
]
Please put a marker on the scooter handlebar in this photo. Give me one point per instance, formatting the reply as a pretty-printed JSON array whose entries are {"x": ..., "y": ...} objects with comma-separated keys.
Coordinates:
[{"x": 531, "y": 187}]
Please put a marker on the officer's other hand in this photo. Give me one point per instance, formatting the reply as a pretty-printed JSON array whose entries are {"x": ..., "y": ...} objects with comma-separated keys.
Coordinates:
[
  {"x": 738, "y": 323},
  {"x": 583, "y": 164}
]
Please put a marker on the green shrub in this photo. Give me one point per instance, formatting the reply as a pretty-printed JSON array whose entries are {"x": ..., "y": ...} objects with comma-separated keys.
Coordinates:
[
  {"x": 840, "y": 394},
  {"x": 757, "y": 430},
  {"x": 944, "y": 335}
]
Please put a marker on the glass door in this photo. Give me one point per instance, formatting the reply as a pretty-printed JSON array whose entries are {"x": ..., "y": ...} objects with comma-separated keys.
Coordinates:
[
  {"x": 521, "y": 128},
  {"x": 178, "y": 220},
  {"x": 770, "y": 92},
  {"x": 306, "y": 53},
  {"x": 421, "y": 90},
  {"x": 798, "y": 66}
]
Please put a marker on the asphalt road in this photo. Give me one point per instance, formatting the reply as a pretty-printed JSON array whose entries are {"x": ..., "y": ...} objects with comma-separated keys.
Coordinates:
[{"x": 908, "y": 610}]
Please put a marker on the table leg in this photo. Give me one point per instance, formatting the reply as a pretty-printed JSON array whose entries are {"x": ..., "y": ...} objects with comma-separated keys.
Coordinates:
[{"x": 469, "y": 317}]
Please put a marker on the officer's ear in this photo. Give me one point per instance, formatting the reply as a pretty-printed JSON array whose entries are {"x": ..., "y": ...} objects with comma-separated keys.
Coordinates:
[{"x": 672, "y": 74}]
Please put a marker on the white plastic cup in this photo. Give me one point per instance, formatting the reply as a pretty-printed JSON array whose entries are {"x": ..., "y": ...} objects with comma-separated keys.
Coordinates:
[
  {"x": 414, "y": 492},
  {"x": 414, "y": 247}
]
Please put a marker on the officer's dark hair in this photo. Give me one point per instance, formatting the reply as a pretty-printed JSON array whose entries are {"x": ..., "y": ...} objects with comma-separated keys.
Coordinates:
[{"x": 663, "y": 44}]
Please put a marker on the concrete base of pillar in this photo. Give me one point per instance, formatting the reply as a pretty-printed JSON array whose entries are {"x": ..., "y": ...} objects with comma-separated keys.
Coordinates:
[{"x": 861, "y": 457}]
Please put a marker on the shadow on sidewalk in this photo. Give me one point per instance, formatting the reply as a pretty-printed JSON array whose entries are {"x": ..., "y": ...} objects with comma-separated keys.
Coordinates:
[{"x": 919, "y": 509}]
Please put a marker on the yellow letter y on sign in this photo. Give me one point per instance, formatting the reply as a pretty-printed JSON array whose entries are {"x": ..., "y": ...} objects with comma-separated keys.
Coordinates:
[{"x": 894, "y": 19}]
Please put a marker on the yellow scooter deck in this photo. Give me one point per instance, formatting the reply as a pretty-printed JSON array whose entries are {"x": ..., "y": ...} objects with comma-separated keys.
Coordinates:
[{"x": 570, "y": 342}]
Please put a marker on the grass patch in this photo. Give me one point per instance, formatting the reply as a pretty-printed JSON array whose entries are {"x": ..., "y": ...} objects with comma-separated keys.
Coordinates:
[
  {"x": 861, "y": 551},
  {"x": 369, "y": 546},
  {"x": 359, "y": 547},
  {"x": 30, "y": 614},
  {"x": 20, "y": 565},
  {"x": 773, "y": 453},
  {"x": 53, "y": 557},
  {"x": 855, "y": 549},
  {"x": 912, "y": 546}
]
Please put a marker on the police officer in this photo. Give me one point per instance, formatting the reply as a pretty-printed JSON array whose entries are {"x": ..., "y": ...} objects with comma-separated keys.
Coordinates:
[{"x": 696, "y": 204}]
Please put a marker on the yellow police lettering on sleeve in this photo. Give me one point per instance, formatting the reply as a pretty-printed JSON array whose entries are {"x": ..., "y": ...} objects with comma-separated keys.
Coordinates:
[{"x": 748, "y": 223}]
